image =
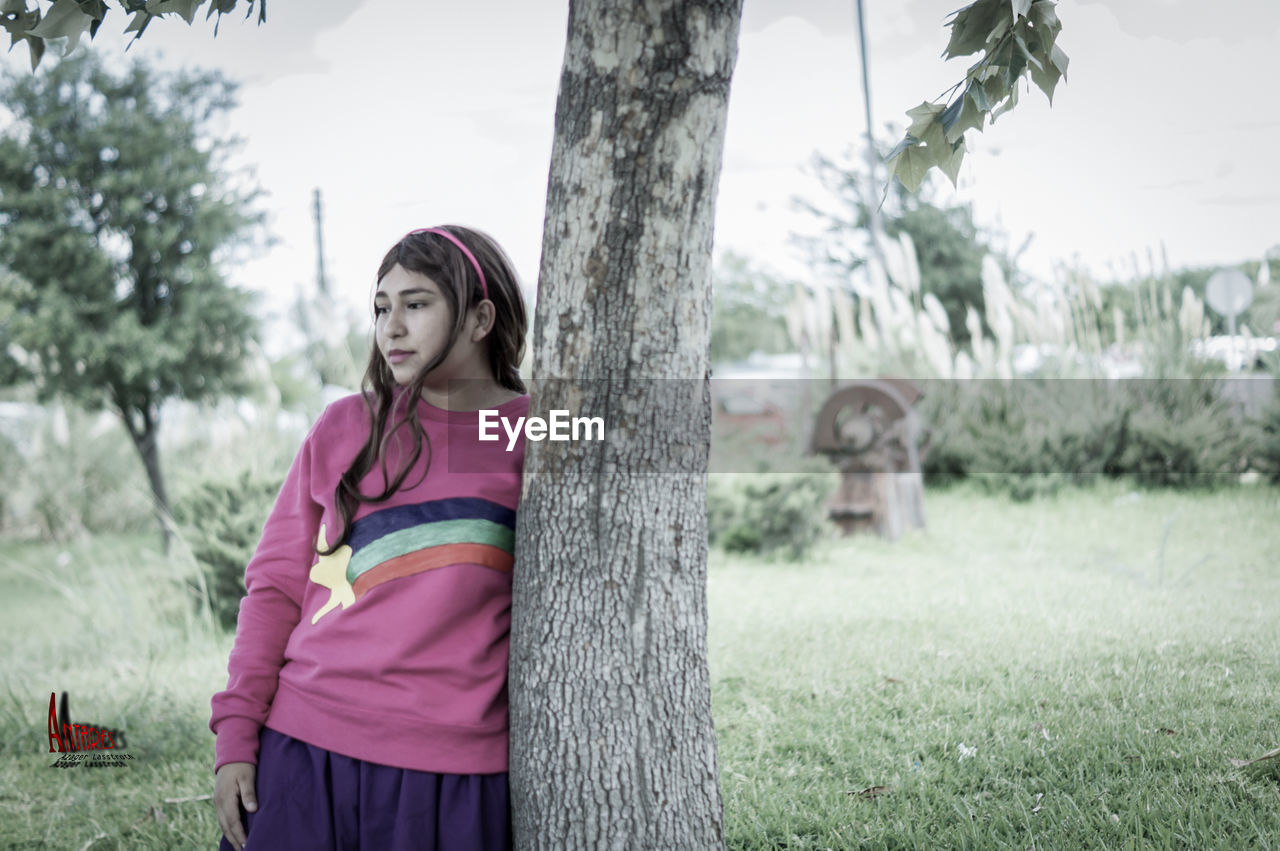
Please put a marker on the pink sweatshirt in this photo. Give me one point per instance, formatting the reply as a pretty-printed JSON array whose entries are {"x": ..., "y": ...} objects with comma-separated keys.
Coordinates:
[{"x": 393, "y": 649}]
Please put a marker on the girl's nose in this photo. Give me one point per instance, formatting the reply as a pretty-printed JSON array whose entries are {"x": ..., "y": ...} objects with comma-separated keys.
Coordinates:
[{"x": 395, "y": 323}]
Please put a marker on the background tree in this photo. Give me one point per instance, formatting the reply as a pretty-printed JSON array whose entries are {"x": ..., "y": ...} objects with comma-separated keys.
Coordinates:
[
  {"x": 114, "y": 213},
  {"x": 1121, "y": 297},
  {"x": 949, "y": 244},
  {"x": 748, "y": 311}
]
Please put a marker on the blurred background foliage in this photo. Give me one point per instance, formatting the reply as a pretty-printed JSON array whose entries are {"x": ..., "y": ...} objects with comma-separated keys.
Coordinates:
[
  {"x": 222, "y": 518},
  {"x": 116, "y": 213},
  {"x": 748, "y": 306},
  {"x": 118, "y": 219},
  {"x": 1030, "y": 385},
  {"x": 118, "y": 222}
]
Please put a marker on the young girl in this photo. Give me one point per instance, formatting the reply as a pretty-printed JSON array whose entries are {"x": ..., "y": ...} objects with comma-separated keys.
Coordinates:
[{"x": 366, "y": 702}]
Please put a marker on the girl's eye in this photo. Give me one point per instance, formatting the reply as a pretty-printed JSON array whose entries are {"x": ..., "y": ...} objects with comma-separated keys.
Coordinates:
[
  {"x": 417, "y": 304},
  {"x": 379, "y": 309}
]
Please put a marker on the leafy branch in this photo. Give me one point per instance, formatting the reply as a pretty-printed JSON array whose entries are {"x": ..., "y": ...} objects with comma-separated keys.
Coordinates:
[
  {"x": 1016, "y": 38},
  {"x": 71, "y": 19}
]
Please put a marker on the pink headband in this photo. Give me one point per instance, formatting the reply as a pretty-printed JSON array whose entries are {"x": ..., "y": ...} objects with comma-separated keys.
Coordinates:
[{"x": 484, "y": 288}]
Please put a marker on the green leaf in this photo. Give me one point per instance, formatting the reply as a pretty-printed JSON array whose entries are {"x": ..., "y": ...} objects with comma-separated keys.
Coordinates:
[
  {"x": 906, "y": 142},
  {"x": 185, "y": 8},
  {"x": 1020, "y": 45},
  {"x": 18, "y": 26},
  {"x": 934, "y": 135},
  {"x": 1045, "y": 19},
  {"x": 950, "y": 163},
  {"x": 13, "y": 7},
  {"x": 37, "y": 50},
  {"x": 977, "y": 71},
  {"x": 138, "y": 24},
  {"x": 96, "y": 9},
  {"x": 1002, "y": 57},
  {"x": 1045, "y": 75},
  {"x": 997, "y": 32},
  {"x": 1015, "y": 36},
  {"x": 1016, "y": 65},
  {"x": 1059, "y": 59},
  {"x": 1006, "y": 106},
  {"x": 971, "y": 116},
  {"x": 921, "y": 117},
  {"x": 979, "y": 95},
  {"x": 996, "y": 88},
  {"x": 911, "y": 165},
  {"x": 951, "y": 114},
  {"x": 971, "y": 25},
  {"x": 64, "y": 20},
  {"x": 222, "y": 7}
]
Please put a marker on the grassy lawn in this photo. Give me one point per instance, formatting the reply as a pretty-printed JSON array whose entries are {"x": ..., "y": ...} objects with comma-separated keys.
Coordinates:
[
  {"x": 1075, "y": 672},
  {"x": 1070, "y": 673},
  {"x": 101, "y": 621}
]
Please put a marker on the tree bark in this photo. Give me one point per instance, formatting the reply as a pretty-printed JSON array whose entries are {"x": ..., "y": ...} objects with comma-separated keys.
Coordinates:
[
  {"x": 144, "y": 434},
  {"x": 612, "y": 742}
]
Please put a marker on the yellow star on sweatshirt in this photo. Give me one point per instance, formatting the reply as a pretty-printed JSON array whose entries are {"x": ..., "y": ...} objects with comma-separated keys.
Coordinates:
[{"x": 331, "y": 572}]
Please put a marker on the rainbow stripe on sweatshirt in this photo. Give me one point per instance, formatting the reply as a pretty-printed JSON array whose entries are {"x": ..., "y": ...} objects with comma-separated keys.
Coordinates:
[{"x": 408, "y": 539}]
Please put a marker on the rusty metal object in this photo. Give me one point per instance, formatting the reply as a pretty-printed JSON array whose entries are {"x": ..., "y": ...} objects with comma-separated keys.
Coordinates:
[{"x": 871, "y": 432}]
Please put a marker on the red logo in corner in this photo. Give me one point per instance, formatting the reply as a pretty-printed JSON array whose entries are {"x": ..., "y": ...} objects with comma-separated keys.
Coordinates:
[{"x": 70, "y": 737}]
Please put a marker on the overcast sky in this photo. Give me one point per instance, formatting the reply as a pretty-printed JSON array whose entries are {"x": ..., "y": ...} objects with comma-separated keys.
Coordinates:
[{"x": 410, "y": 113}]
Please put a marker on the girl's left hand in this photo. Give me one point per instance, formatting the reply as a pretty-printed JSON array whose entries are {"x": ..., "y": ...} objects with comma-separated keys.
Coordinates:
[{"x": 233, "y": 785}]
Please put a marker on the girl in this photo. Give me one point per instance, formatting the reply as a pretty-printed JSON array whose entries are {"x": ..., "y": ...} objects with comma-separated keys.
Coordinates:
[{"x": 366, "y": 702}]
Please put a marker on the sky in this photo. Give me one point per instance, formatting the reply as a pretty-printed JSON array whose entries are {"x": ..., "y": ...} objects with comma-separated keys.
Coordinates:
[{"x": 411, "y": 113}]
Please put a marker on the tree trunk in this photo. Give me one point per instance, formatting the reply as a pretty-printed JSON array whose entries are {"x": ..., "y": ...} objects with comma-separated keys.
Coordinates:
[
  {"x": 612, "y": 743},
  {"x": 144, "y": 433}
]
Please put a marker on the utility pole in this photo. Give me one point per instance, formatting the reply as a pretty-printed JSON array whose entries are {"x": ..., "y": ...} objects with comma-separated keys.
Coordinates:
[
  {"x": 321, "y": 283},
  {"x": 874, "y": 224}
]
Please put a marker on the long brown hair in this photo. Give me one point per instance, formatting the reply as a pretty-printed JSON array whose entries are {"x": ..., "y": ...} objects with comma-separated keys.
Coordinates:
[{"x": 436, "y": 257}]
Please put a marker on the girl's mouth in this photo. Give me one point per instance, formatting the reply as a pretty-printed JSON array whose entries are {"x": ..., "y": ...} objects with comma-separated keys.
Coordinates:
[{"x": 397, "y": 355}]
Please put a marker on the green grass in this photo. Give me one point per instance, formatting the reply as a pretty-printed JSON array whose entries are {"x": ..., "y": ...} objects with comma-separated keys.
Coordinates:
[
  {"x": 1106, "y": 656},
  {"x": 107, "y": 622}
]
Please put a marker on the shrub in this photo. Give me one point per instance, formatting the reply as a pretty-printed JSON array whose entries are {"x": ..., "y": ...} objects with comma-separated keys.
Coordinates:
[
  {"x": 1265, "y": 441},
  {"x": 1181, "y": 433},
  {"x": 768, "y": 513},
  {"x": 1031, "y": 436},
  {"x": 1024, "y": 438},
  {"x": 222, "y": 521}
]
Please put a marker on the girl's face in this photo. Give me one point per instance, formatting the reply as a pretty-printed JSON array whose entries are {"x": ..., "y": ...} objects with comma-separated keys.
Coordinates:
[{"x": 412, "y": 322}]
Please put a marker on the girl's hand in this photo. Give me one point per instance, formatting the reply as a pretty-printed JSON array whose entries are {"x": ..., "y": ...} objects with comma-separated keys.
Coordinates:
[{"x": 233, "y": 785}]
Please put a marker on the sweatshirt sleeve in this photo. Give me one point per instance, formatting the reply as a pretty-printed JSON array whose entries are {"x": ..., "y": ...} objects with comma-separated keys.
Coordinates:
[{"x": 275, "y": 579}]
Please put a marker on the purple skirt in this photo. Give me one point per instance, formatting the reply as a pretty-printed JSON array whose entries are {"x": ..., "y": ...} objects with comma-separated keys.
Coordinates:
[{"x": 310, "y": 798}]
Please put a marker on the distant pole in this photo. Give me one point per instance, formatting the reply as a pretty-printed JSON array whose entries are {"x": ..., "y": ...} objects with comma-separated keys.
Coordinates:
[
  {"x": 321, "y": 283},
  {"x": 874, "y": 224},
  {"x": 873, "y": 159}
]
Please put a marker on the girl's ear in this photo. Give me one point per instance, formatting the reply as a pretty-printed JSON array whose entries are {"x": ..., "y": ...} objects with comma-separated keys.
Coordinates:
[{"x": 483, "y": 315}]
